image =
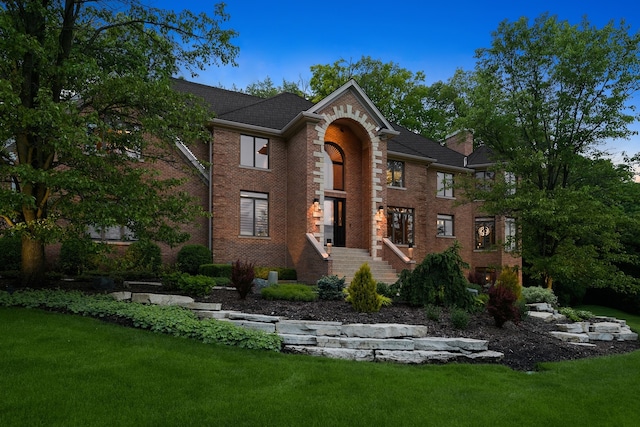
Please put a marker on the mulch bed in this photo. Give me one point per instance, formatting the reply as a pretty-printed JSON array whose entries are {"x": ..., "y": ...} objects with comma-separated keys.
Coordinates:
[{"x": 524, "y": 345}]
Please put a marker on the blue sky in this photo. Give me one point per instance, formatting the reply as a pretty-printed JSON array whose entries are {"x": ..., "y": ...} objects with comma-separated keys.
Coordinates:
[{"x": 282, "y": 39}]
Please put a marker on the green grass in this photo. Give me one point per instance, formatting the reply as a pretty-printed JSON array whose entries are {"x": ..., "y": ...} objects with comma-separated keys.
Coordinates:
[{"x": 64, "y": 370}]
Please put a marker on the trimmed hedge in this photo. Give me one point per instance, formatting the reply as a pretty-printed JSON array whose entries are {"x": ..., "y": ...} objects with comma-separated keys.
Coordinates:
[
  {"x": 289, "y": 292},
  {"x": 283, "y": 273},
  {"x": 216, "y": 270},
  {"x": 172, "y": 320}
]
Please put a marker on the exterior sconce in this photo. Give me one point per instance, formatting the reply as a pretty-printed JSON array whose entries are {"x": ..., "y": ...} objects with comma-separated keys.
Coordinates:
[
  {"x": 410, "y": 251},
  {"x": 381, "y": 210},
  {"x": 316, "y": 204},
  {"x": 329, "y": 247}
]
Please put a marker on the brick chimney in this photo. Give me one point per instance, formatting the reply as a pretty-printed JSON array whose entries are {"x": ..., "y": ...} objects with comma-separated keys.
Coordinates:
[{"x": 460, "y": 141}]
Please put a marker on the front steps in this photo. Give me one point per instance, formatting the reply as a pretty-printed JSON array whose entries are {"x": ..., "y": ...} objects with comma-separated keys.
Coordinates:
[{"x": 346, "y": 261}]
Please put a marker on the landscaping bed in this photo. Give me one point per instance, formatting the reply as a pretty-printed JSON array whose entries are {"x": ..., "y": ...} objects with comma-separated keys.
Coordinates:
[{"x": 524, "y": 345}]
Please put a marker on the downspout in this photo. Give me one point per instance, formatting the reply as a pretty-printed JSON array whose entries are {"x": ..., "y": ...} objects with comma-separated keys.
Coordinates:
[{"x": 210, "y": 218}]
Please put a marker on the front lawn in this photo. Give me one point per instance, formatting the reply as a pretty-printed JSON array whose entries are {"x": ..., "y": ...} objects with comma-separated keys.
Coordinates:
[{"x": 73, "y": 371}]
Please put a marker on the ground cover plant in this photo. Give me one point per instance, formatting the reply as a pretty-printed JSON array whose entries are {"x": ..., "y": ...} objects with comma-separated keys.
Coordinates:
[
  {"x": 75, "y": 371},
  {"x": 289, "y": 292}
]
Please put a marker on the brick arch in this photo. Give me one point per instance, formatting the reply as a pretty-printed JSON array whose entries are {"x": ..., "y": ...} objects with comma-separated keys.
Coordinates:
[{"x": 359, "y": 124}]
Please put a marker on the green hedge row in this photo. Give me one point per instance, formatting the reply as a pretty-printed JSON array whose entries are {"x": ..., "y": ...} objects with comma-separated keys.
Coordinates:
[
  {"x": 224, "y": 270},
  {"x": 172, "y": 320}
]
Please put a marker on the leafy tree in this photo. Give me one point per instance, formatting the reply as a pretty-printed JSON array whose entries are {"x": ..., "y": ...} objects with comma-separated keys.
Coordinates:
[
  {"x": 85, "y": 89},
  {"x": 542, "y": 98},
  {"x": 266, "y": 89},
  {"x": 400, "y": 94}
]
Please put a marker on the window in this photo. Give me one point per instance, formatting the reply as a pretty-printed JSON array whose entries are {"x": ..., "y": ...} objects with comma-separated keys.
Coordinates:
[
  {"x": 395, "y": 173},
  {"x": 254, "y": 214},
  {"x": 400, "y": 225},
  {"x": 484, "y": 180},
  {"x": 254, "y": 152},
  {"x": 485, "y": 233},
  {"x": 510, "y": 235},
  {"x": 334, "y": 167},
  {"x": 445, "y": 225},
  {"x": 510, "y": 182},
  {"x": 115, "y": 233},
  {"x": 445, "y": 184}
]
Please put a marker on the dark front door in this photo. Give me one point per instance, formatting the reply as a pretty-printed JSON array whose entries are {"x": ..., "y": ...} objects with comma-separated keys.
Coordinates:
[{"x": 334, "y": 221}]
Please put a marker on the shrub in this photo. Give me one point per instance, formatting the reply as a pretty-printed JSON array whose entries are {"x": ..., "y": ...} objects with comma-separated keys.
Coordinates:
[
  {"x": 242, "y": 275},
  {"x": 215, "y": 270},
  {"x": 222, "y": 281},
  {"x": 508, "y": 278},
  {"x": 432, "y": 312},
  {"x": 330, "y": 288},
  {"x": 142, "y": 255},
  {"x": 439, "y": 280},
  {"x": 191, "y": 257},
  {"x": 80, "y": 254},
  {"x": 386, "y": 290},
  {"x": 362, "y": 294},
  {"x": 501, "y": 305},
  {"x": 536, "y": 294},
  {"x": 191, "y": 285},
  {"x": 289, "y": 292},
  {"x": 575, "y": 315},
  {"x": 459, "y": 318},
  {"x": 10, "y": 253},
  {"x": 283, "y": 273}
]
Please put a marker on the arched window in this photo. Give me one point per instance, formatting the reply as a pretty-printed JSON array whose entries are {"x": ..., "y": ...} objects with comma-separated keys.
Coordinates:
[{"x": 334, "y": 167}]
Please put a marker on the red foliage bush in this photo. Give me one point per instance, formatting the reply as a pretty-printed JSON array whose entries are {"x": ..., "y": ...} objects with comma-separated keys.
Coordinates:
[
  {"x": 242, "y": 275},
  {"x": 502, "y": 305}
]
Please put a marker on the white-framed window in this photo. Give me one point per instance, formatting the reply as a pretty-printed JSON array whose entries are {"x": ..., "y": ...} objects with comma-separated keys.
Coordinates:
[
  {"x": 254, "y": 152},
  {"x": 114, "y": 233},
  {"x": 254, "y": 214},
  {"x": 510, "y": 235},
  {"x": 395, "y": 173},
  {"x": 445, "y": 225},
  {"x": 485, "y": 233},
  {"x": 445, "y": 184},
  {"x": 400, "y": 225},
  {"x": 510, "y": 182}
]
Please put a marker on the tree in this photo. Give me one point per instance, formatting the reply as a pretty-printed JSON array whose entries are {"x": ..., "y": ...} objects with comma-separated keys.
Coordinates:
[
  {"x": 266, "y": 89},
  {"x": 85, "y": 91},
  {"x": 400, "y": 95},
  {"x": 542, "y": 98}
]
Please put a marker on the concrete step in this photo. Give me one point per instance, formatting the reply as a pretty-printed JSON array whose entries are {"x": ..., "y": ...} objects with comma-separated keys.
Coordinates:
[{"x": 347, "y": 261}]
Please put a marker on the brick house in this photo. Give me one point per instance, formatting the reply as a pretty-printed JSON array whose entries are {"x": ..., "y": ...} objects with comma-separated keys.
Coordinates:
[{"x": 297, "y": 184}]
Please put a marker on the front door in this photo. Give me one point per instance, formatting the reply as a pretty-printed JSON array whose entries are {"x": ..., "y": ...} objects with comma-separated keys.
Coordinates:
[{"x": 334, "y": 221}]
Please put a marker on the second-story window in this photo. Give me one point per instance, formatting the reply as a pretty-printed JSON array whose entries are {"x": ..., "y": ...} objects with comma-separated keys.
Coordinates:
[
  {"x": 254, "y": 152},
  {"x": 445, "y": 184},
  {"x": 395, "y": 173}
]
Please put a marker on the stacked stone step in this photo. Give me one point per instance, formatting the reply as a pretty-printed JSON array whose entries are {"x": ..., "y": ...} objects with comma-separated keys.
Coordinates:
[
  {"x": 346, "y": 261},
  {"x": 362, "y": 342},
  {"x": 599, "y": 329}
]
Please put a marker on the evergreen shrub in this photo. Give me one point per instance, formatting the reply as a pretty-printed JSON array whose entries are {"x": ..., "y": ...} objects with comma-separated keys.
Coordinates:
[
  {"x": 216, "y": 270},
  {"x": 331, "y": 288},
  {"x": 283, "y": 273},
  {"x": 537, "y": 294},
  {"x": 191, "y": 257},
  {"x": 437, "y": 280},
  {"x": 362, "y": 294}
]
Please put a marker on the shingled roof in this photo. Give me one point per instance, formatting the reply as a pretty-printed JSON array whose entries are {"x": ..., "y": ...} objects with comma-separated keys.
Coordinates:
[{"x": 276, "y": 112}]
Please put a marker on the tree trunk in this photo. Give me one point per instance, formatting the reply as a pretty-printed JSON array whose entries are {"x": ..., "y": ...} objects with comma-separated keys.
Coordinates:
[{"x": 33, "y": 265}]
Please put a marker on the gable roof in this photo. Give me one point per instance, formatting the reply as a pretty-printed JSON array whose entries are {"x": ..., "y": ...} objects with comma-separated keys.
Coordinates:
[{"x": 279, "y": 111}]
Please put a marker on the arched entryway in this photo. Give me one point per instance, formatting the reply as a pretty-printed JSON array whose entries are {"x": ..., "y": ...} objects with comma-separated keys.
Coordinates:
[{"x": 347, "y": 185}]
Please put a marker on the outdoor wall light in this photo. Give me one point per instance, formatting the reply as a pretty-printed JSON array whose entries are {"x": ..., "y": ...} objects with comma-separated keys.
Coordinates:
[
  {"x": 329, "y": 247},
  {"x": 410, "y": 251},
  {"x": 316, "y": 203}
]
